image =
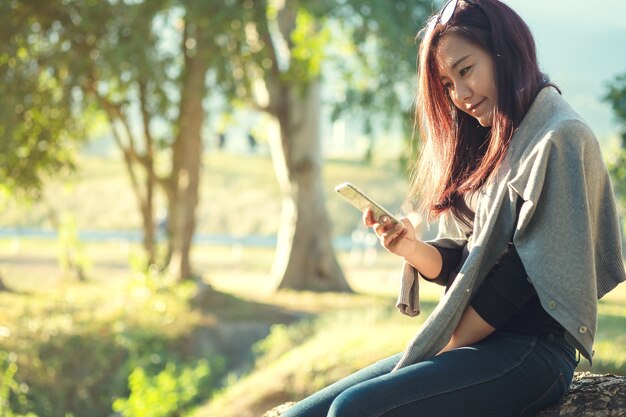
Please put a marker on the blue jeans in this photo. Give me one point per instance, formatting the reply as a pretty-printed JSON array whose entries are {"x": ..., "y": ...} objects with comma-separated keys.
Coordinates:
[{"x": 506, "y": 374}]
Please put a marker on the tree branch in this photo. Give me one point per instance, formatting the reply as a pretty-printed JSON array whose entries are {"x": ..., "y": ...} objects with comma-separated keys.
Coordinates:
[
  {"x": 148, "y": 160},
  {"x": 127, "y": 157}
]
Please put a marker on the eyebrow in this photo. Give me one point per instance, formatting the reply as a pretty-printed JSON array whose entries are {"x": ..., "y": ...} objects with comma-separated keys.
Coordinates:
[{"x": 458, "y": 61}]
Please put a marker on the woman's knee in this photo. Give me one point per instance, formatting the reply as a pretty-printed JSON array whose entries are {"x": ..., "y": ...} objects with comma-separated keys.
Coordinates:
[{"x": 350, "y": 403}]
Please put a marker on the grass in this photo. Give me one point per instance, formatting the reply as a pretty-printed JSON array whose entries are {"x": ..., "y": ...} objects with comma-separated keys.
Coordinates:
[
  {"x": 99, "y": 196},
  {"x": 290, "y": 367},
  {"x": 333, "y": 339}
]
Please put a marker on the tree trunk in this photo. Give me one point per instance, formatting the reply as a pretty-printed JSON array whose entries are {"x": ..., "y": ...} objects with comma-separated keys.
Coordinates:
[
  {"x": 133, "y": 163},
  {"x": 144, "y": 197},
  {"x": 589, "y": 396},
  {"x": 2, "y": 286},
  {"x": 187, "y": 155},
  {"x": 147, "y": 215},
  {"x": 147, "y": 209},
  {"x": 305, "y": 258}
]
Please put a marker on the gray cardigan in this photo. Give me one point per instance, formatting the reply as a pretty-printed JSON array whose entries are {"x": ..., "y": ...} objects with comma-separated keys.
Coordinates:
[{"x": 567, "y": 230}]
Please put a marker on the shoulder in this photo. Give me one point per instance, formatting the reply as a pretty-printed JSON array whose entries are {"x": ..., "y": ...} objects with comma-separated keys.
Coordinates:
[
  {"x": 570, "y": 128},
  {"x": 555, "y": 143},
  {"x": 570, "y": 139},
  {"x": 554, "y": 126}
]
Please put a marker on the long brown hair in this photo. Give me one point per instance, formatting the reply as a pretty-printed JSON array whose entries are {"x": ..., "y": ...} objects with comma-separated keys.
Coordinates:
[{"x": 458, "y": 155}]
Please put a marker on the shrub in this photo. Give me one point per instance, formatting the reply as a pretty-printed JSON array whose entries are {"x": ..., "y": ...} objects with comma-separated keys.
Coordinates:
[{"x": 176, "y": 388}]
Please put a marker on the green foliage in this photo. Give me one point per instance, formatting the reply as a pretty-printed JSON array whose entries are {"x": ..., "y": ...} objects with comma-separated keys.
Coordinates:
[
  {"x": 72, "y": 257},
  {"x": 38, "y": 129},
  {"x": 365, "y": 51},
  {"x": 282, "y": 339},
  {"x": 168, "y": 393},
  {"x": 12, "y": 393},
  {"x": 380, "y": 69},
  {"x": 616, "y": 97},
  {"x": 309, "y": 39},
  {"x": 83, "y": 373},
  {"x": 76, "y": 372},
  {"x": 617, "y": 168},
  {"x": 76, "y": 357}
]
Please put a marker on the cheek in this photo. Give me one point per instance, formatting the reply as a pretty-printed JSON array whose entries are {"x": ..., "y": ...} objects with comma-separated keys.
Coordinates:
[
  {"x": 482, "y": 81},
  {"x": 492, "y": 83},
  {"x": 456, "y": 101}
]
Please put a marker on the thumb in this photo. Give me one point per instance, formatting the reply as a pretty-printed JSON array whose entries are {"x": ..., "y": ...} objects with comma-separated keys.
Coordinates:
[{"x": 407, "y": 223}]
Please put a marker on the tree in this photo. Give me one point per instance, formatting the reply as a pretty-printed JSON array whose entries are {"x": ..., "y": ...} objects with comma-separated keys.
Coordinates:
[
  {"x": 305, "y": 257},
  {"x": 38, "y": 130},
  {"x": 592, "y": 395},
  {"x": 124, "y": 59},
  {"x": 278, "y": 68},
  {"x": 144, "y": 64},
  {"x": 168, "y": 86}
]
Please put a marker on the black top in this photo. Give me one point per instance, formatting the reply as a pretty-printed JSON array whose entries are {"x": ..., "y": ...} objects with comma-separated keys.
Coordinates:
[{"x": 506, "y": 299}]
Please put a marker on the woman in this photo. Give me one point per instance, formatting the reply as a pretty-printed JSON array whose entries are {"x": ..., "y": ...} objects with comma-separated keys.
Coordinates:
[{"x": 528, "y": 240}]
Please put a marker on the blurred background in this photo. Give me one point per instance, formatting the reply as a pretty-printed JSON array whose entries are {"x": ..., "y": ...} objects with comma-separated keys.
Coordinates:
[{"x": 170, "y": 241}]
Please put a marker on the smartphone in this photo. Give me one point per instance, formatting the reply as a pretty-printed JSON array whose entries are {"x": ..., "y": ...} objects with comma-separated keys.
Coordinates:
[{"x": 361, "y": 201}]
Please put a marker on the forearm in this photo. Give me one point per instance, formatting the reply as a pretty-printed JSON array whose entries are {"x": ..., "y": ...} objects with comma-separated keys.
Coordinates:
[
  {"x": 471, "y": 329},
  {"x": 426, "y": 259}
]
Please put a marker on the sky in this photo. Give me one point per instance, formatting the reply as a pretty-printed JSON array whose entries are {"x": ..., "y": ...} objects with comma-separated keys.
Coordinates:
[{"x": 581, "y": 45}]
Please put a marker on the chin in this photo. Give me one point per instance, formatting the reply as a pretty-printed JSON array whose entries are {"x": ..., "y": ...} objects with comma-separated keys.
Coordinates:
[{"x": 486, "y": 121}]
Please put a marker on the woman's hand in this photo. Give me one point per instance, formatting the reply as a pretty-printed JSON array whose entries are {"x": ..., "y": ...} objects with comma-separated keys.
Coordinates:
[
  {"x": 403, "y": 242},
  {"x": 397, "y": 238}
]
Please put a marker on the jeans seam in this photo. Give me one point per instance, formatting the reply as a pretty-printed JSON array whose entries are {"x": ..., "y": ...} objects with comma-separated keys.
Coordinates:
[
  {"x": 473, "y": 383},
  {"x": 543, "y": 396}
]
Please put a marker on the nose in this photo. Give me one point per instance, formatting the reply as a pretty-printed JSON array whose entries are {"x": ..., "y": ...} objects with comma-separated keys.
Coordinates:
[{"x": 463, "y": 92}]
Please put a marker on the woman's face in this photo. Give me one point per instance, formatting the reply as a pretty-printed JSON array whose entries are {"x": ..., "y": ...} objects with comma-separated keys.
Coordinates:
[{"x": 466, "y": 72}]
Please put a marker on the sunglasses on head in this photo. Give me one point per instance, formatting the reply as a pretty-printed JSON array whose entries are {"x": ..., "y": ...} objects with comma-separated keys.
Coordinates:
[{"x": 448, "y": 10}]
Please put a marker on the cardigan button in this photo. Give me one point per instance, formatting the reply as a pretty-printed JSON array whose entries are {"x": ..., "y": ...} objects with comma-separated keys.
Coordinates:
[
  {"x": 552, "y": 304},
  {"x": 582, "y": 329}
]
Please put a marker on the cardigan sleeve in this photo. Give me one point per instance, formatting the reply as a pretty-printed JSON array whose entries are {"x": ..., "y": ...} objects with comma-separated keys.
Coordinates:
[{"x": 450, "y": 236}]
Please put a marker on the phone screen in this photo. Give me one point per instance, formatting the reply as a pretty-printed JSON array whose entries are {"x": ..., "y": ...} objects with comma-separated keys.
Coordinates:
[{"x": 361, "y": 201}]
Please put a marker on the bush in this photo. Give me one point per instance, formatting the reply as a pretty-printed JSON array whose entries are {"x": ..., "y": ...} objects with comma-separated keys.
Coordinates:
[
  {"x": 176, "y": 388},
  {"x": 74, "y": 359},
  {"x": 12, "y": 393}
]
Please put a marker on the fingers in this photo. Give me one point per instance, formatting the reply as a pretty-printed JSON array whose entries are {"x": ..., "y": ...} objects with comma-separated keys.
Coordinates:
[
  {"x": 368, "y": 218},
  {"x": 406, "y": 222},
  {"x": 387, "y": 229},
  {"x": 383, "y": 226},
  {"x": 393, "y": 233}
]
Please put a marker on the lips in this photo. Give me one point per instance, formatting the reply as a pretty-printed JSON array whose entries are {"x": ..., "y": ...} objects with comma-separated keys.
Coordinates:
[{"x": 475, "y": 106}]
